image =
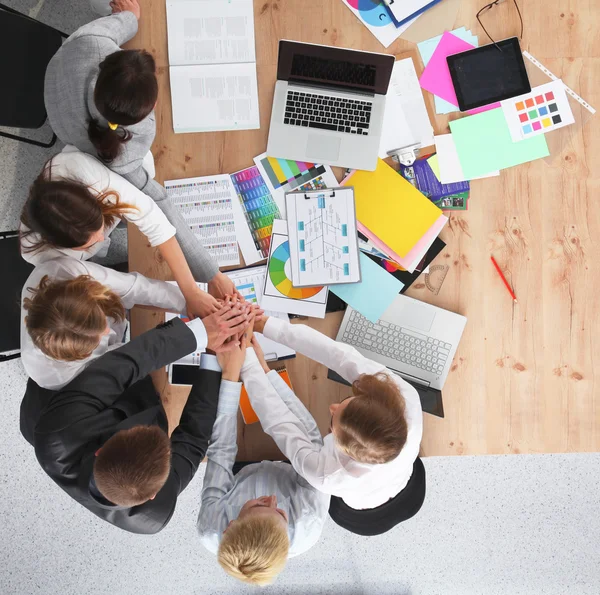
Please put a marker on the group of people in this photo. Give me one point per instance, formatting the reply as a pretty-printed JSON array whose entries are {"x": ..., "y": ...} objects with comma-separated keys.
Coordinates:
[{"x": 91, "y": 411}]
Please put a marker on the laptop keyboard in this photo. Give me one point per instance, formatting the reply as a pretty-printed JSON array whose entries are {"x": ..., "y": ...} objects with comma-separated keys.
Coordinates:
[
  {"x": 397, "y": 343},
  {"x": 327, "y": 113}
]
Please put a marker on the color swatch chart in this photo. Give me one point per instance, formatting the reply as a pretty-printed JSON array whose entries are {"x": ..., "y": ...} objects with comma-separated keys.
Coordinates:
[
  {"x": 259, "y": 207},
  {"x": 285, "y": 175},
  {"x": 545, "y": 109},
  {"x": 207, "y": 207}
]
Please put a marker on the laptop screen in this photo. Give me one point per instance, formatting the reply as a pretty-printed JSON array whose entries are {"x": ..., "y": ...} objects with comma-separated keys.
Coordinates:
[{"x": 334, "y": 67}]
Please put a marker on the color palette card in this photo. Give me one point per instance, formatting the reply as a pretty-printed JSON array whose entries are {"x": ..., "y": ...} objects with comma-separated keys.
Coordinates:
[
  {"x": 543, "y": 110},
  {"x": 484, "y": 144}
]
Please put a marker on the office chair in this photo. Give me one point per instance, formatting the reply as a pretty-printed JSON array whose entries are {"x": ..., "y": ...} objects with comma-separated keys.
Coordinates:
[
  {"x": 13, "y": 274},
  {"x": 26, "y": 47}
]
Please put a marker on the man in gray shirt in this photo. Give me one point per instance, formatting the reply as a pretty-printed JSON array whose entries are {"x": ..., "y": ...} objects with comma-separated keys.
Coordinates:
[
  {"x": 69, "y": 94},
  {"x": 266, "y": 503}
]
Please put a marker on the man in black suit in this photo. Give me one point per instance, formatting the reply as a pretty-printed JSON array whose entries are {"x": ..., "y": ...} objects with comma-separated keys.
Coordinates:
[{"x": 103, "y": 437}]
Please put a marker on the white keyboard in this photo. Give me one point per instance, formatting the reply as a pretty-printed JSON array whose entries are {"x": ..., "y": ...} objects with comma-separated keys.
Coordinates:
[{"x": 398, "y": 343}]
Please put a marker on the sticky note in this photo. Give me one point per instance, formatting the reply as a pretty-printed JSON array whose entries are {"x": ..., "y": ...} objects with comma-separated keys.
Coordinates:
[
  {"x": 434, "y": 164},
  {"x": 436, "y": 77},
  {"x": 523, "y": 117},
  {"x": 484, "y": 144},
  {"x": 549, "y": 96},
  {"x": 537, "y": 126},
  {"x": 543, "y": 110},
  {"x": 527, "y": 128},
  {"x": 533, "y": 114},
  {"x": 520, "y": 106},
  {"x": 539, "y": 99},
  {"x": 546, "y": 122},
  {"x": 372, "y": 295},
  {"x": 529, "y": 103}
]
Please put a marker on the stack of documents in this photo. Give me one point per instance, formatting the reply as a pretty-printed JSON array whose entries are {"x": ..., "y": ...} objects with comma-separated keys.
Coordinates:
[{"x": 399, "y": 220}]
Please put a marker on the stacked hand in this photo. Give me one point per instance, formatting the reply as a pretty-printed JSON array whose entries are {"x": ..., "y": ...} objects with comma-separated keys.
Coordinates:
[
  {"x": 224, "y": 326},
  {"x": 126, "y": 5}
]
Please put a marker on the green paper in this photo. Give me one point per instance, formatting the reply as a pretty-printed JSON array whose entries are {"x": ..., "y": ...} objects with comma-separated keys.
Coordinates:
[
  {"x": 484, "y": 145},
  {"x": 434, "y": 164}
]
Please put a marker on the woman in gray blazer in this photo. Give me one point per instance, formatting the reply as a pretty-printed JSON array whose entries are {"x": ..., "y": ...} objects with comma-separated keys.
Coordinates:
[{"x": 101, "y": 99}]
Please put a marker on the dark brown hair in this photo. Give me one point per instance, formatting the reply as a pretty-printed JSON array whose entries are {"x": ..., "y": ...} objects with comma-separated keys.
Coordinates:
[
  {"x": 372, "y": 427},
  {"x": 133, "y": 465},
  {"x": 65, "y": 213},
  {"x": 125, "y": 93}
]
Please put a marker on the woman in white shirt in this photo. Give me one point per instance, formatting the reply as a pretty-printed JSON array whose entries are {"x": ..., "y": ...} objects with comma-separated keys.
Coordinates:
[
  {"x": 73, "y": 312},
  {"x": 366, "y": 461},
  {"x": 74, "y": 205}
]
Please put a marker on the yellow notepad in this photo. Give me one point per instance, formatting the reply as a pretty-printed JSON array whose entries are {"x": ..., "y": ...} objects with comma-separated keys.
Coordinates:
[{"x": 391, "y": 208}]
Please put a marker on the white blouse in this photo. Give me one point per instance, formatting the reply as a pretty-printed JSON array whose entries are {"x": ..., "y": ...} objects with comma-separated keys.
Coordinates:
[
  {"x": 72, "y": 164},
  {"x": 132, "y": 288}
]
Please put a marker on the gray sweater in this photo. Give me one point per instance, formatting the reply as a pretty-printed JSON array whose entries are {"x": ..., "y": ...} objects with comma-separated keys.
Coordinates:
[{"x": 69, "y": 96}]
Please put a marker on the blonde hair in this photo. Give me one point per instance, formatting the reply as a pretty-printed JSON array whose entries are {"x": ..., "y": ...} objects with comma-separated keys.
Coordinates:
[
  {"x": 65, "y": 319},
  {"x": 254, "y": 549},
  {"x": 372, "y": 428}
]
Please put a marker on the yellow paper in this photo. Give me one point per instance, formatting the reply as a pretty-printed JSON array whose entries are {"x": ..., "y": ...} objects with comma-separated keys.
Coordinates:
[
  {"x": 434, "y": 164},
  {"x": 392, "y": 208}
]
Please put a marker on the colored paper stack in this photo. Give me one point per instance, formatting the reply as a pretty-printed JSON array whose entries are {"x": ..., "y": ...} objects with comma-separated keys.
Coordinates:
[{"x": 397, "y": 219}]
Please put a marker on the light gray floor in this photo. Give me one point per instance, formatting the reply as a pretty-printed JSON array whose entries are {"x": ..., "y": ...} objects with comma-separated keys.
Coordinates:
[{"x": 522, "y": 525}]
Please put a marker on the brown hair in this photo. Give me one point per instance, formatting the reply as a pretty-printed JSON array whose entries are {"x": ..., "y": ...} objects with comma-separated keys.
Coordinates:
[
  {"x": 372, "y": 427},
  {"x": 125, "y": 94},
  {"x": 65, "y": 213},
  {"x": 133, "y": 465},
  {"x": 65, "y": 319},
  {"x": 254, "y": 549}
]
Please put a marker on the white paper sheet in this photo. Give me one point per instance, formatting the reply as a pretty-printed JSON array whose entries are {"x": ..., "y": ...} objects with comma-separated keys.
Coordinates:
[
  {"x": 406, "y": 121},
  {"x": 206, "y": 205},
  {"x": 210, "y": 31},
  {"x": 450, "y": 168},
  {"x": 214, "y": 97},
  {"x": 278, "y": 285},
  {"x": 323, "y": 237}
]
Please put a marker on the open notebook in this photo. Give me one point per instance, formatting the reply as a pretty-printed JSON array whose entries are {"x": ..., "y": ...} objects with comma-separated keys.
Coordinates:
[{"x": 212, "y": 65}]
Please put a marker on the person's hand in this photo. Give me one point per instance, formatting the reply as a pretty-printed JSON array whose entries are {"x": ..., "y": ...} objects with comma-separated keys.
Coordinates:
[
  {"x": 221, "y": 286},
  {"x": 260, "y": 355},
  {"x": 231, "y": 362},
  {"x": 224, "y": 324},
  {"x": 260, "y": 321},
  {"x": 199, "y": 304},
  {"x": 126, "y": 5}
]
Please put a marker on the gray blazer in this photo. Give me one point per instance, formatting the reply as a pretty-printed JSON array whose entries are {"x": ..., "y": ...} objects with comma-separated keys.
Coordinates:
[{"x": 69, "y": 96}]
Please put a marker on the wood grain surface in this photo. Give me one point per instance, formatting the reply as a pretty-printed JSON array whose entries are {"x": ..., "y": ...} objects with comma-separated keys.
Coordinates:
[{"x": 524, "y": 378}]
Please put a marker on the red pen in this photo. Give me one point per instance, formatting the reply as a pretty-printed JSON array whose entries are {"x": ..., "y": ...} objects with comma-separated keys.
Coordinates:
[{"x": 504, "y": 279}]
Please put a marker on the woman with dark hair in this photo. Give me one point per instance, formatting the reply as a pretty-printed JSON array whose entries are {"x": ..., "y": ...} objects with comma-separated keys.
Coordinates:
[
  {"x": 74, "y": 205},
  {"x": 101, "y": 99}
]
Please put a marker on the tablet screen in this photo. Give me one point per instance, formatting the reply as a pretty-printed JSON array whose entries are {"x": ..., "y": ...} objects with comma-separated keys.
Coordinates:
[{"x": 486, "y": 75}]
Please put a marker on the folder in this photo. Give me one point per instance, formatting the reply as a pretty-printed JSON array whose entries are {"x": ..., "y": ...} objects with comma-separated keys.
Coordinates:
[{"x": 391, "y": 208}]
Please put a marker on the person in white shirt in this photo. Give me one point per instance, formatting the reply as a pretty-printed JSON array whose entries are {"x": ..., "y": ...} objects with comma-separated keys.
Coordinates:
[
  {"x": 75, "y": 310},
  {"x": 366, "y": 463},
  {"x": 257, "y": 518},
  {"x": 75, "y": 204}
]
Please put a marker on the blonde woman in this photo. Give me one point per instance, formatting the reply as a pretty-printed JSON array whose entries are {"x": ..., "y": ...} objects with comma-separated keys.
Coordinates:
[
  {"x": 75, "y": 204},
  {"x": 74, "y": 311}
]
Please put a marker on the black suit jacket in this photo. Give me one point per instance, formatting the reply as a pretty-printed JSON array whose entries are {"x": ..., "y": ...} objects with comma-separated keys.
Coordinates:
[{"x": 115, "y": 393}]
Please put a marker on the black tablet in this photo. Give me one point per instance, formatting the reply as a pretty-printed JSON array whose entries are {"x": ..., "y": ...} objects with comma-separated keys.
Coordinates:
[{"x": 488, "y": 74}]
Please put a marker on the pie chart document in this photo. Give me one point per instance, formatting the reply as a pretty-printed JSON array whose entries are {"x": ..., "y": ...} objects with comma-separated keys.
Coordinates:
[{"x": 279, "y": 294}]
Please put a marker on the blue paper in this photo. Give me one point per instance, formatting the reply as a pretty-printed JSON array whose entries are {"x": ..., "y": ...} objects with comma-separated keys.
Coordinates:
[
  {"x": 426, "y": 49},
  {"x": 375, "y": 292}
]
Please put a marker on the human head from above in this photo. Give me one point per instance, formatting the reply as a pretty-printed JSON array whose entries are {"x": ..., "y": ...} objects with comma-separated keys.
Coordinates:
[
  {"x": 370, "y": 426},
  {"x": 254, "y": 547},
  {"x": 133, "y": 465},
  {"x": 126, "y": 92},
  {"x": 68, "y": 214},
  {"x": 67, "y": 319}
]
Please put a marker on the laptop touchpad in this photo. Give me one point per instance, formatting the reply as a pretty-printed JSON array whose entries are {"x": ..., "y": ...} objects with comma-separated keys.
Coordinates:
[
  {"x": 321, "y": 147},
  {"x": 418, "y": 317}
]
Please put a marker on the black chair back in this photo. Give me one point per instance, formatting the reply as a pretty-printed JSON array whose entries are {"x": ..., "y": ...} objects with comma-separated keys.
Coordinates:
[{"x": 13, "y": 274}]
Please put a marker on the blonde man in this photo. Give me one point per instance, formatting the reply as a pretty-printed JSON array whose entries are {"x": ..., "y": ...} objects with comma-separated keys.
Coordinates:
[
  {"x": 266, "y": 513},
  {"x": 369, "y": 461}
]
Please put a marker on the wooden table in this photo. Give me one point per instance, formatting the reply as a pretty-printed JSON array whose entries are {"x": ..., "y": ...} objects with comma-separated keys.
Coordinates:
[{"x": 523, "y": 379}]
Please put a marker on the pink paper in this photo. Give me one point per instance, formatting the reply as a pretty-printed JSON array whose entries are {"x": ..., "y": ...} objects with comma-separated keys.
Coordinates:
[
  {"x": 414, "y": 257},
  {"x": 484, "y": 108},
  {"x": 436, "y": 76}
]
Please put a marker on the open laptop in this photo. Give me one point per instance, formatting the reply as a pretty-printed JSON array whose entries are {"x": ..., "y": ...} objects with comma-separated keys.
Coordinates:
[
  {"x": 414, "y": 339},
  {"x": 329, "y": 104}
]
